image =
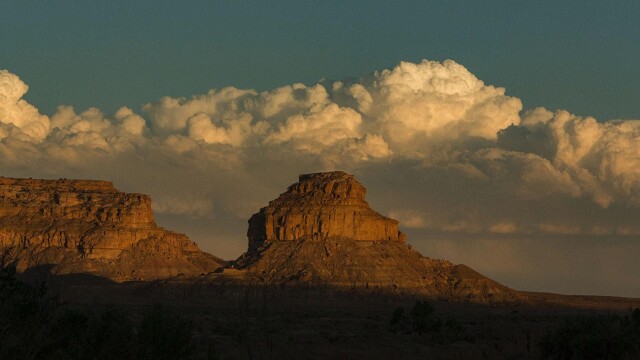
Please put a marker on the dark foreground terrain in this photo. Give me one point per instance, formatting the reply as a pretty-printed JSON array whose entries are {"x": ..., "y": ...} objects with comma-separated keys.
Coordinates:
[
  {"x": 324, "y": 277},
  {"x": 81, "y": 317}
]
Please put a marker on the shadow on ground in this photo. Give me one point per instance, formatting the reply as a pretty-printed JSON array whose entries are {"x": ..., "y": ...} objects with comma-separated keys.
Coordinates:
[{"x": 80, "y": 316}]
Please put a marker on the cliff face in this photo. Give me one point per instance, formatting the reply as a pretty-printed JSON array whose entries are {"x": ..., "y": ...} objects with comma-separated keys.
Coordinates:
[
  {"x": 321, "y": 232},
  {"x": 320, "y": 207},
  {"x": 90, "y": 227}
]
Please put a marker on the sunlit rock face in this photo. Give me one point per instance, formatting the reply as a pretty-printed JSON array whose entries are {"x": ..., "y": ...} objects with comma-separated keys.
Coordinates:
[
  {"x": 321, "y": 232},
  {"x": 321, "y": 206},
  {"x": 86, "y": 226}
]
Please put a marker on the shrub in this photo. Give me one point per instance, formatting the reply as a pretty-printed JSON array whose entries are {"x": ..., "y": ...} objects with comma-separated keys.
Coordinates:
[
  {"x": 36, "y": 326},
  {"x": 422, "y": 320},
  {"x": 26, "y": 317},
  {"x": 636, "y": 317},
  {"x": 398, "y": 320},
  {"x": 112, "y": 335},
  {"x": 164, "y": 335},
  {"x": 596, "y": 337}
]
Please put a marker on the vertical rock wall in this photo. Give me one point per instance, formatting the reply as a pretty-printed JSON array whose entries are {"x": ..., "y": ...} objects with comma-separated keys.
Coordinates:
[
  {"x": 320, "y": 207},
  {"x": 80, "y": 221}
]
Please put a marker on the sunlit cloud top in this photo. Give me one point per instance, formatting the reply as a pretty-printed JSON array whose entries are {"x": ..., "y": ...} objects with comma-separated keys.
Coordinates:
[{"x": 465, "y": 147}]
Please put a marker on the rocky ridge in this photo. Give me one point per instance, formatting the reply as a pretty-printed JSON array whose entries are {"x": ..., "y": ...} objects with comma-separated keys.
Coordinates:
[
  {"x": 322, "y": 232},
  {"x": 87, "y": 226}
]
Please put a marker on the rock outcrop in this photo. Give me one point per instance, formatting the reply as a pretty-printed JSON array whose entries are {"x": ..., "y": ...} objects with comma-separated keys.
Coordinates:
[
  {"x": 84, "y": 226},
  {"x": 321, "y": 232},
  {"x": 321, "y": 206}
]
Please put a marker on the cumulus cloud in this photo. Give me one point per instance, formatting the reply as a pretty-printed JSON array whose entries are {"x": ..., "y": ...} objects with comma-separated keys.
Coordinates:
[
  {"x": 437, "y": 148},
  {"x": 18, "y": 118},
  {"x": 319, "y": 127},
  {"x": 405, "y": 110},
  {"x": 602, "y": 159},
  {"x": 418, "y": 106}
]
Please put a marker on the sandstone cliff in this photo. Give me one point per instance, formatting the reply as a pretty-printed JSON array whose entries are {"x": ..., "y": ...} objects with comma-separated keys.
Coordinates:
[
  {"x": 321, "y": 232},
  {"x": 82, "y": 226},
  {"x": 321, "y": 206}
]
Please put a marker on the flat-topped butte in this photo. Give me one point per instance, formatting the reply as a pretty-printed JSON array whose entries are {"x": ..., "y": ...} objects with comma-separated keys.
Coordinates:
[{"x": 88, "y": 226}]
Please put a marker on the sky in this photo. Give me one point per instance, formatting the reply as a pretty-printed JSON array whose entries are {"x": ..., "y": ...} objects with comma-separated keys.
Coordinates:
[{"x": 502, "y": 135}]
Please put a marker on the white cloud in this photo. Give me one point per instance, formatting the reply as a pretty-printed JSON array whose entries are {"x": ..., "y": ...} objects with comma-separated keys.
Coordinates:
[
  {"x": 318, "y": 128},
  {"x": 418, "y": 106},
  {"x": 601, "y": 159},
  {"x": 130, "y": 122},
  {"x": 200, "y": 127},
  {"x": 23, "y": 119},
  {"x": 451, "y": 148}
]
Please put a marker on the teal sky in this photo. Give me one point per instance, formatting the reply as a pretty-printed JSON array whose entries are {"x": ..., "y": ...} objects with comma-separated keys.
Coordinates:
[{"x": 582, "y": 56}]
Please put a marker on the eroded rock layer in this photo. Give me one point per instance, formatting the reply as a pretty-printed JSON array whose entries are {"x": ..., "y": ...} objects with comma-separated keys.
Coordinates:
[
  {"x": 321, "y": 206},
  {"x": 321, "y": 232},
  {"x": 84, "y": 226}
]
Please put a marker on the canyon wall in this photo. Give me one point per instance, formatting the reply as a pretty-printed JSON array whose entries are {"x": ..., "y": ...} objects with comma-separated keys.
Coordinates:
[{"x": 90, "y": 226}]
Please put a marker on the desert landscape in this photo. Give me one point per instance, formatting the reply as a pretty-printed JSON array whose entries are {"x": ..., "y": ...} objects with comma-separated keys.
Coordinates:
[
  {"x": 324, "y": 276},
  {"x": 319, "y": 180}
]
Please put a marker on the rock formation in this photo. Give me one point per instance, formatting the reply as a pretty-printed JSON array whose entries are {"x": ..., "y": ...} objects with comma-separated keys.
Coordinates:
[
  {"x": 83, "y": 226},
  {"x": 321, "y": 206},
  {"x": 322, "y": 232}
]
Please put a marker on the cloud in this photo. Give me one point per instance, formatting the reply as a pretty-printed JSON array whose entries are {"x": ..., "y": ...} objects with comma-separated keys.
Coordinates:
[
  {"x": 418, "y": 106},
  {"x": 437, "y": 148},
  {"x": 601, "y": 159},
  {"x": 409, "y": 218},
  {"x": 18, "y": 118},
  {"x": 192, "y": 207},
  {"x": 319, "y": 127}
]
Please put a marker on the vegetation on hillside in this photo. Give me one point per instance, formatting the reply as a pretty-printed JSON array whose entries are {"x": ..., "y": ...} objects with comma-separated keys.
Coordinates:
[
  {"x": 595, "y": 337},
  {"x": 34, "y": 325}
]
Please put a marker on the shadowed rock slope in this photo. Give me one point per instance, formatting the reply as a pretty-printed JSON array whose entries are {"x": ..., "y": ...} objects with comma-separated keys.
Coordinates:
[
  {"x": 322, "y": 232},
  {"x": 85, "y": 226}
]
